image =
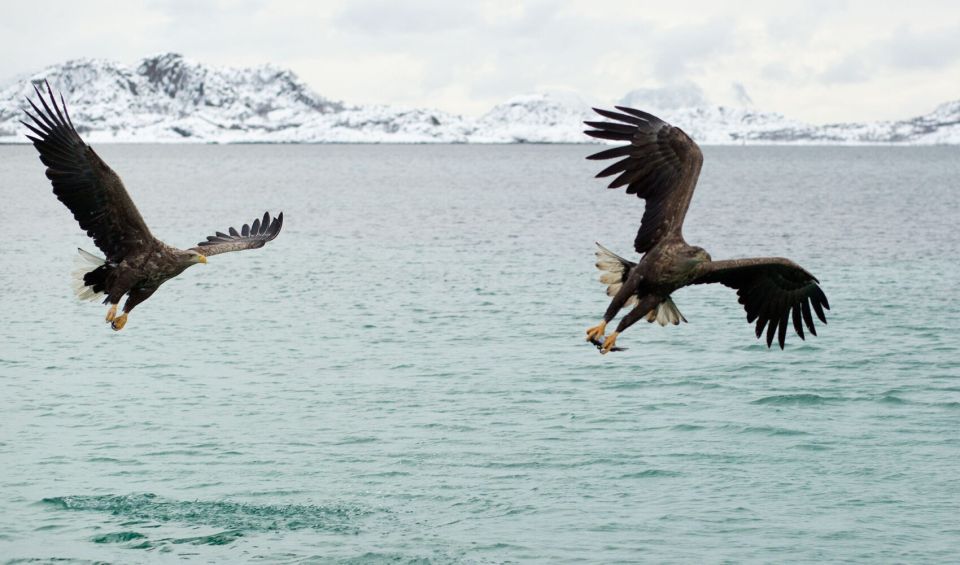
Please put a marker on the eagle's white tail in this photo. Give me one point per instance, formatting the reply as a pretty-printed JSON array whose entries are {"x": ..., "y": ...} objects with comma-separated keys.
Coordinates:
[
  {"x": 666, "y": 313},
  {"x": 614, "y": 269},
  {"x": 83, "y": 264}
]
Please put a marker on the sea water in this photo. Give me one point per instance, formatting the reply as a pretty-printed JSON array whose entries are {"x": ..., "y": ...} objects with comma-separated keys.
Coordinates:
[{"x": 401, "y": 376}]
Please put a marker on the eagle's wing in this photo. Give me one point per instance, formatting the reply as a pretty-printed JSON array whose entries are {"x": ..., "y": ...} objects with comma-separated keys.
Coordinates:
[
  {"x": 661, "y": 165},
  {"x": 82, "y": 181},
  {"x": 250, "y": 236},
  {"x": 772, "y": 290}
]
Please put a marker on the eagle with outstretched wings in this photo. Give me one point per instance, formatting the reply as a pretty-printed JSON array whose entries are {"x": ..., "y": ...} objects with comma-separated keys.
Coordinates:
[
  {"x": 661, "y": 164},
  {"x": 135, "y": 263}
]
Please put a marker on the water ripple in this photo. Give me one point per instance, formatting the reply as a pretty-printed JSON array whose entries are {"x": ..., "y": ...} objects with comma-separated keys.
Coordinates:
[{"x": 221, "y": 514}]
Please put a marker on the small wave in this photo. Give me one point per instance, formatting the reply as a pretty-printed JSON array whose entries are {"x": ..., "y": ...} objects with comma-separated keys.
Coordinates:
[
  {"x": 386, "y": 474},
  {"x": 772, "y": 431},
  {"x": 806, "y": 399},
  {"x": 229, "y": 515},
  {"x": 891, "y": 399},
  {"x": 101, "y": 459},
  {"x": 378, "y": 558},
  {"x": 627, "y": 385},
  {"x": 350, "y": 440},
  {"x": 812, "y": 447},
  {"x": 117, "y": 537},
  {"x": 651, "y": 474},
  {"x": 136, "y": 540},
  {"x": 220, "y": 538},
  {"x": 49, "y": 560},
  {"x": 686, "y": 427}
]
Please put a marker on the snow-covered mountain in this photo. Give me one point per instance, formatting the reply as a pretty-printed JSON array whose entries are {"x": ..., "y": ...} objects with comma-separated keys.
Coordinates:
[
  {"x": 551, "y": 117},
  {"x": 168, "y": 98}
]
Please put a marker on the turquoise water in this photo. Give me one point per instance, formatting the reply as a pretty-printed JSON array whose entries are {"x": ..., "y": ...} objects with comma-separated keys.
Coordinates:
[{"x": 400, "y": 377}]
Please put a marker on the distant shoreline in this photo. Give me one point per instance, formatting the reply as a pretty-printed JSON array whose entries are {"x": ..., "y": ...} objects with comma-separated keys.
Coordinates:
[{"x": 504, "y": 143}]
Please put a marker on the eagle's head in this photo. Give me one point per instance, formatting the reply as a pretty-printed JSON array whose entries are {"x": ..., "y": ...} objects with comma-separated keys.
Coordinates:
[{"x": 191, "y": 257}]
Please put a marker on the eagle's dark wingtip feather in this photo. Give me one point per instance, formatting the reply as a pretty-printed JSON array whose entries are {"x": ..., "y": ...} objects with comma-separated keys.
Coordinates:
[
  {"x": 614, "y": 127},
  {"x": 807, "y": 316},
  {"x": 782, "y": 330},
  {"x": 50, "y": 114},
  {"x": 650, "y": 118},
  {"x": 66, "y": 112},
  {"x": 53, "y": 100},
  {"x": 771, "y": 330},
  {"x": 797, "y": 321},
  {"x": 615, "y": 168},
  {"x": 611, "y": 153},
  {"x": 621, "y": 117},
  {"x": 607, "y": 134},
  {"x": 276, "y": 225},
  {"x": 40, "y": 118},
  {"x": 34, "y": 130},
  {"x": 818, "y": 309}
]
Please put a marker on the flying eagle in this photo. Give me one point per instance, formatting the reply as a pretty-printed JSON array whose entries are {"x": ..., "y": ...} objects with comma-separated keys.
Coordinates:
[
  {"x": 136, "y": 262},
  {"x": 661, "y": 165}
]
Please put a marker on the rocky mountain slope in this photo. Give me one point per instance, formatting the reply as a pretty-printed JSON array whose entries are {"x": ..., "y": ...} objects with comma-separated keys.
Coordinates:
[{"x": 168, "y": 98}]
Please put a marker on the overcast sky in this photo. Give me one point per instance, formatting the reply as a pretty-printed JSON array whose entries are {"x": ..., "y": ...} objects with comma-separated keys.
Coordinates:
[{"x": 818, "y": 61}]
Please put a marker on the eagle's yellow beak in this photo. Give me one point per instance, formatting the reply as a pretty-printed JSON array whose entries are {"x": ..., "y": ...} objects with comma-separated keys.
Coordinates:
[{"x": 201, "y": 259}]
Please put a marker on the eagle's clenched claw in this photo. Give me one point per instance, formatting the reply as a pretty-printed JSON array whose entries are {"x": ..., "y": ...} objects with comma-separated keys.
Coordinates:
[
  {"x": 596, "y": 332},
  {"x": 599, "y": 345},
  {"x": 118, "y": 322},
  {"x": 609, "y": 343}
]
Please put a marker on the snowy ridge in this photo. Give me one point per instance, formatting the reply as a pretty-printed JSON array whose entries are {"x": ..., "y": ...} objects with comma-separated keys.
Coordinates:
[
  {"x": 169, "y": 98},
  {"x": 551, "y": 117}
]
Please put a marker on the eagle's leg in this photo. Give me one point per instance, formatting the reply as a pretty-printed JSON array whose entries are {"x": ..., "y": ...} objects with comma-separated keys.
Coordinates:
[
  {"x": 135, "y": 297},
  {"x": 112, "y": 312},
  {"x": 626, "y": 291},
  {"x": 644, "y": 305}
]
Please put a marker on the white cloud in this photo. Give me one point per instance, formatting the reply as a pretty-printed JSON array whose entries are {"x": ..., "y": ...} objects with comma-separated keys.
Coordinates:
[{"x": 817, "y": 61}]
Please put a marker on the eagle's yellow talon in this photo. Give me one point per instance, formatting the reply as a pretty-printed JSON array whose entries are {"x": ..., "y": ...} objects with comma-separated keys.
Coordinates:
[
  {"x": 112, "y": 313},
  {"x": 597, "y": 331},
  {"x": 609, "y": 343},
  {"x": 119, "y": 322}
]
